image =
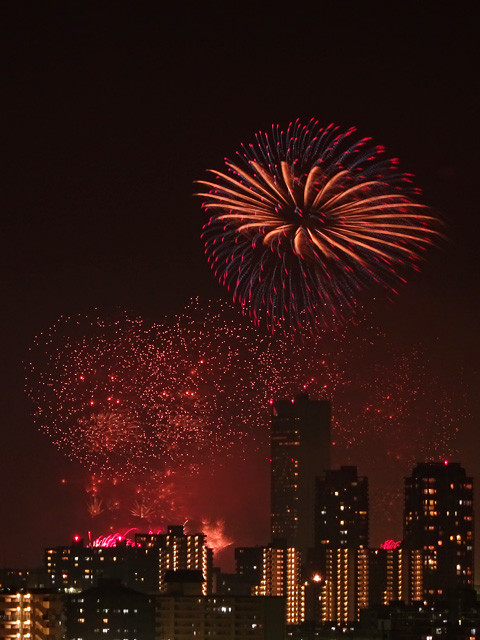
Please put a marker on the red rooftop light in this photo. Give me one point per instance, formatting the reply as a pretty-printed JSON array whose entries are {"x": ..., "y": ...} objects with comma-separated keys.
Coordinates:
[{"x": 390, "y": 544}]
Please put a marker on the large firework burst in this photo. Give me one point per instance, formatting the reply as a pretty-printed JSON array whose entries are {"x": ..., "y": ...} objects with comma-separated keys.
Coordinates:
[{"x": 305, "y": 218}]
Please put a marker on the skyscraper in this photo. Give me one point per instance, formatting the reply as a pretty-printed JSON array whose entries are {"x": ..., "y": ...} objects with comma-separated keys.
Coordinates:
[
  {"x": 300, "y": 451},
  {"x": 438, "y": 519}
]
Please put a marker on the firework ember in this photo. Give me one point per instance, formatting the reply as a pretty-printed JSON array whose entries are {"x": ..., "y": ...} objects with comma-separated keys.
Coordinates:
[{"x": 145, "y": 407}]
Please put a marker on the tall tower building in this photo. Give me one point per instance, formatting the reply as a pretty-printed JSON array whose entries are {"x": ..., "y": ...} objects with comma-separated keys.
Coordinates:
[
  {"x": 438, "y": 519},
  {"x": 300, "y": 451}
]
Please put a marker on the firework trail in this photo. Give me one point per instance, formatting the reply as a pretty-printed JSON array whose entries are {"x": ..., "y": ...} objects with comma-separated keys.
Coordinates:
[{"x": 304, "y": 219}]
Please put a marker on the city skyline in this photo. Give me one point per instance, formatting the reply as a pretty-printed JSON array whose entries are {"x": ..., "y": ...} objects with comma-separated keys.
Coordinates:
[
  {"x": 341, "y": 580},
  {"x": 437, "y": 509},
  {"x": 111, "y": 119}
]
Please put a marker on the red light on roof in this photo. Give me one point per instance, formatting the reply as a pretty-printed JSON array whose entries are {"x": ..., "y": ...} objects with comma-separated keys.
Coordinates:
[
  {"x": 445, "y": 462},
  {"x": 76, "y": 538},
  {"x": 270, "y": 401},
  {"x": 391, "y": 544},
  {"x": 292, "y": 400}
]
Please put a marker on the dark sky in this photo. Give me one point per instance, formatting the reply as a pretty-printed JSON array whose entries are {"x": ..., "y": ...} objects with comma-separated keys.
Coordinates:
[{"x": 112, "y": 110}]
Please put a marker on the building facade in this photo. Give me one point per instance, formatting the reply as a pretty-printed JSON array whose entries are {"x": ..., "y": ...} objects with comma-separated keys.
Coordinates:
[
  {"x": 36, "y": 614},
  {"x": 300, "y": 451},
  {"x": 341, "y": 509},
  {"x": 110, "y": 611},
  {"x": 183, "y": 617},
  {"x": 339, "y": 560},
  {"x": 179, "y": 551},
  {"x": 274, "y": 571},
  {"x": 395, "y": 574},
  {"x": 249, "y": 565},
  {"x": 79, "y": 566},
  {"x": 345, "y": 585},
  {"x": 439, "y": 521},
  {"x": 282, "y": 577}
]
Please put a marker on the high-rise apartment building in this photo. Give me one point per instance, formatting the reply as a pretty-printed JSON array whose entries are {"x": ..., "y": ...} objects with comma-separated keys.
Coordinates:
[
  {"x": 395, "y": 574},
  {"x": 438, "y": 519},
  {"x": 340, "y": 556},
  {"x": 345, "y": 584},
  {"x": 282, "y": 576},
  {"x": 180, "y": 551},
  {"x": 341, "y": 509},
  {"x": 300, "y": 451},
  {"x": 249, "y": 564}
]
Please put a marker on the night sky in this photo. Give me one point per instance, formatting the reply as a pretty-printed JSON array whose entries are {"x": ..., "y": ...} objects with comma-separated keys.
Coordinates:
[{"x": 112, "y": 110}]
